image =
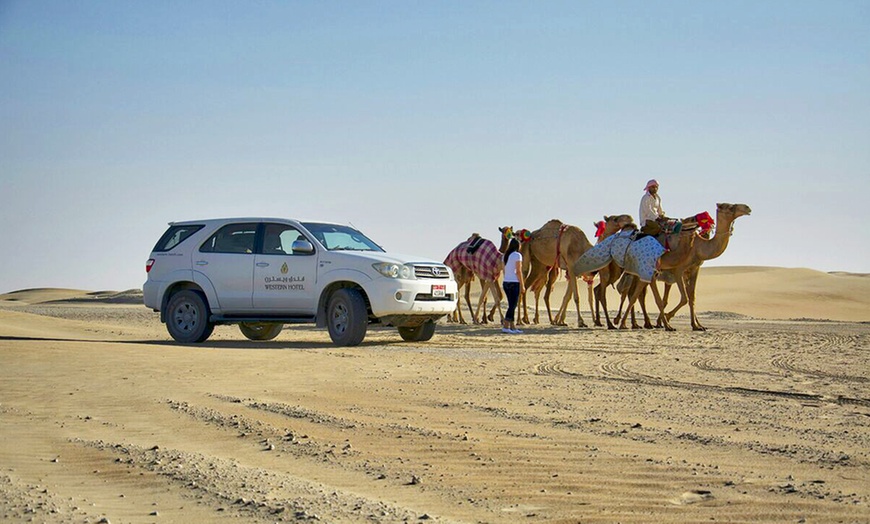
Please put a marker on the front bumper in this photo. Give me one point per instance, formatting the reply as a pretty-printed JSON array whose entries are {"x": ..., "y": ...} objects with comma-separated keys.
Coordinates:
[{"x": 411, "y": 297}]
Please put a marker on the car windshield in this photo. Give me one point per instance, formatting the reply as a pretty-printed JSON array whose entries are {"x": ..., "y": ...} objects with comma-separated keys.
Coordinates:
[{"x": 340, "y": 238}]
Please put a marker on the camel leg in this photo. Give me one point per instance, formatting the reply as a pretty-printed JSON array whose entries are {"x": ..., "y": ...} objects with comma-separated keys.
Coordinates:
[
  {"x": 475, "y": 314},
  {"x": 659, "y": 322},
  {"x": 590, "y": 297},
  {"x": 684, "y": 294},
  {"x": 563, "y": 309},
  {"x": 523, "y": 306},
  {"x": 634, "y": 291},
  {"x": 574, "y": 278},
  {"x": 600, "y": 298},
  {"x": 572, "y": 293},
  {"x": 456, "y": 316},
  {"x": 496, "y": 296},
  {"x": 684, "y": 297},
  {"x": 533, "y": 283},
  {"x": 660, "y": 303},
  {"x": 624, "y": 286},
  {"x": 484, "y": 296},
  {"x": 603, "y": 299},
  {"x": 623, "y": 296},
  {"x": 552, "y": 277},
  {"x": 487, "y": 288},
  {"x": 596, "y": 315},
  {"x": 548, "y": 291},
  {"x": 691, "y": 285},
  {"x": 468, "y": 303},
  {"x": 641, "y": 299},
  {"x": 647, "y": 324}
]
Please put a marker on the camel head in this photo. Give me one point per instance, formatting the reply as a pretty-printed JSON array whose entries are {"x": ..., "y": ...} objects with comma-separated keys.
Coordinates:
[
  {"x": 507, "y": 233},
  {"x": 621, "y": 220},
  {"x": 726, "y": 214},
  {"x": 610, "y": 225},
  {"x": 731, "y": 211}
]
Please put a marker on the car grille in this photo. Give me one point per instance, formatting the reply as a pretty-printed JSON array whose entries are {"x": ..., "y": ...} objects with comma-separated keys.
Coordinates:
[{"x": 436, "y": 271}]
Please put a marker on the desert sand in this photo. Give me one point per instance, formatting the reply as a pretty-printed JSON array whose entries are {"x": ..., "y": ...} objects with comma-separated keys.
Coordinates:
[{"x": 765, "y": 417}]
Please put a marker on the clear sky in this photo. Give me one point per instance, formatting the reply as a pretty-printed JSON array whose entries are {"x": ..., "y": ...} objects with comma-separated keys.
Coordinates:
[{"x": 422, "y": 122}]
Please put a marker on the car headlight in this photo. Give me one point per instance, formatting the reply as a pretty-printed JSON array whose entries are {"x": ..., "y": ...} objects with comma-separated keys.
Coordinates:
[{"x": 390, "y": 270}]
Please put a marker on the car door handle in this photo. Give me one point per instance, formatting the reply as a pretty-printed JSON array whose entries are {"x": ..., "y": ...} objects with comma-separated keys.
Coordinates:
[
  {"x": 262, "y": 264},
  {"x": 201, "y": 263}
]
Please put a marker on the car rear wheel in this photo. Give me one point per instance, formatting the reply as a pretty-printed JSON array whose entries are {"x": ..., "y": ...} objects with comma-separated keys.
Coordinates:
[
  {"x": 420, "y": 333},
  {"x": 260, "y": 330},
  {"x": 346, "y": 317},
  {"x": 187, "y": 317}
]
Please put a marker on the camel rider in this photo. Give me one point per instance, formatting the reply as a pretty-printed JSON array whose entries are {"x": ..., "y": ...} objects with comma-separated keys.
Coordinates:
[
  {"x": 651, "y": 204},
  {"x": 652, "y": 216}
]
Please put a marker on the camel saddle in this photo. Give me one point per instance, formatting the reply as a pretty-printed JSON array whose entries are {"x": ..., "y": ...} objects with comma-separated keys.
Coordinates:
[
  {"x": 474, "y": 245},
  {"x": 662, "y": 226}
]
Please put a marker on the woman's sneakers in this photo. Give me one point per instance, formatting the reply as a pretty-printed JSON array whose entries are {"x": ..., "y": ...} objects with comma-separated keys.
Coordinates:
[{"x": 511, "y": 331}]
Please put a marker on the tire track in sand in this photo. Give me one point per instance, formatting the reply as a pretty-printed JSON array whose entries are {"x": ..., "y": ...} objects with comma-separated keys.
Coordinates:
[
  {"x": 786, "y": 363},
  {"x": 617, "y": 370}
]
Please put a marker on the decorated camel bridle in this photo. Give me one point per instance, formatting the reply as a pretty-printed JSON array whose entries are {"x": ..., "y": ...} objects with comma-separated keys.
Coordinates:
[{"x": 522, "y": 235}]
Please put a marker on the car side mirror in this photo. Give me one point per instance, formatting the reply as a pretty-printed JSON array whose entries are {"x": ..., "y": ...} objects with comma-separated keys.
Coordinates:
[{"x": 302, "y": 247}]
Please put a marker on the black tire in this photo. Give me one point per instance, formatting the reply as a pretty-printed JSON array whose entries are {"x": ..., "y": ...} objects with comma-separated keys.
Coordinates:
[
  {"x": 187, "y": 317},
  {"x": 260, "y": 330},
  {"x": 346, "y": 317},
  {"x": 420, "y": 333}
]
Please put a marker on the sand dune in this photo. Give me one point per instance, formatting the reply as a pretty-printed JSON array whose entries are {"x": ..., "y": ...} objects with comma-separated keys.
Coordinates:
[
  {"x": 762, "y": 418},
  {"x": 778, "y": 293}
]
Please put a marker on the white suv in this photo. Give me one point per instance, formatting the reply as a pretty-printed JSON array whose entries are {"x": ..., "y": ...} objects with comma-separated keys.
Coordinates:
[{"x": 262, "y": 273}]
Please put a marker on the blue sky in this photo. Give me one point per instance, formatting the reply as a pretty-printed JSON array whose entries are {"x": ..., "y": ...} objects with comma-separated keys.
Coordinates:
[{"x": 422, "y": 122}]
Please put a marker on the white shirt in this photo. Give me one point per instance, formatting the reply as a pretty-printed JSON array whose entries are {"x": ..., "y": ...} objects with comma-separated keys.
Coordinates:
[
  {"x": 510, "y": 267},
  {"x": 650, "y": 208}
]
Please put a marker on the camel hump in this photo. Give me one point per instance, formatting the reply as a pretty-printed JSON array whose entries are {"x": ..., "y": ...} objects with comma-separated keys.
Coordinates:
[{"x": 551, "y": 228}]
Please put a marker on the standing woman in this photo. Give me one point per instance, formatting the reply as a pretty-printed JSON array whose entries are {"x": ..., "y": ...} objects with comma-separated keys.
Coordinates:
[{"x": 513, "y": 284}]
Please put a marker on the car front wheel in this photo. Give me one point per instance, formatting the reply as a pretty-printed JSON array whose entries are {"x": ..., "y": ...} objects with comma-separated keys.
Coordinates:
[
  {"x": 260, "y": 330},
  {"x": 420, "y": 333},
  {"x": 187, "y": 317},
  {"x": 346, "y": 317}
]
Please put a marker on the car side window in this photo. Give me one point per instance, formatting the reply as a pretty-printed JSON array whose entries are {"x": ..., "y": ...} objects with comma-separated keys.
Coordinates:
[
  {"x": 278, "y": 239},
  {"x": 232, "y": 238},
  {"x": 175, "y": 235}
]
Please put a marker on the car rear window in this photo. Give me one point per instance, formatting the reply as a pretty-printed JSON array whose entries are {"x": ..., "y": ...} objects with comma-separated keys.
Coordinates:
[{"x": 176, "y": 235}]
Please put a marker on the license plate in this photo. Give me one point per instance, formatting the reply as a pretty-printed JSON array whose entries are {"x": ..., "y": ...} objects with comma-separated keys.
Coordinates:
[{"x": 439, "y": 290}]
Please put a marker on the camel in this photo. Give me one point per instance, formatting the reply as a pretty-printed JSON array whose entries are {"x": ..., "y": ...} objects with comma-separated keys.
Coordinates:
[
  {"x": 464, "y": 277},
  {"x": 539, "y": 269},
  {"x": 702, "y": 250},
  {"x": 610, "y": 274},
  {"x": 682, "y": 264},
  {"x": 638, "y": 256},
  {"x": 482, "y": 259},
  {"x": 701, "y": 224},
  {"x": 680, "y": 247},
  {"x": 557, "y": 245}
]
